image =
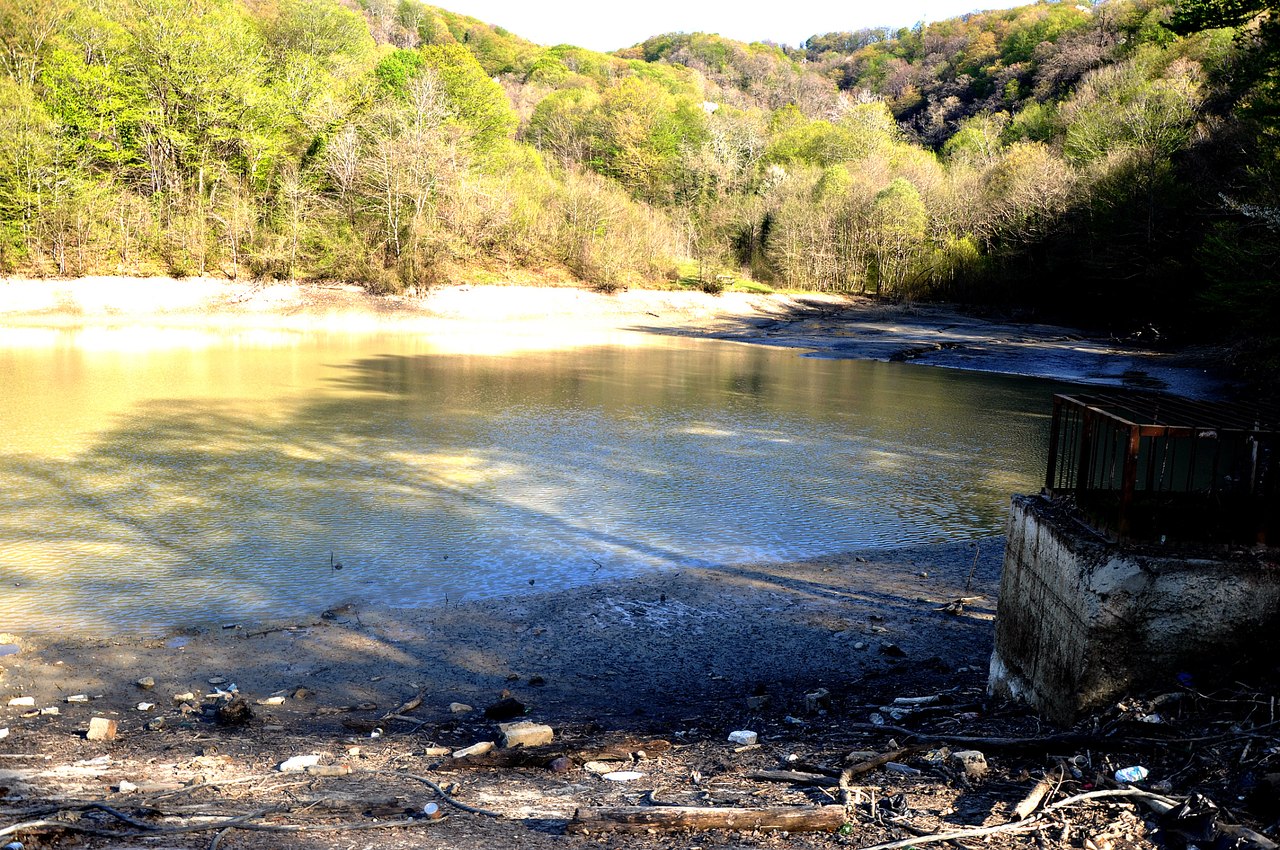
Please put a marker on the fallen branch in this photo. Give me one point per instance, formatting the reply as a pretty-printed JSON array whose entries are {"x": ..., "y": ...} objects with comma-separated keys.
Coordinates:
[
  {"x": 632, "y": 819},
  {"x": 1067, "y": 739},
  {"x": 878, "y": 761},
  {"x": 1027, "y": 825},
  {"x": 406, "y": 707},
  {"x": 244, "y": 822},
  {"x": 1032, "y": 801},
  {"x": 795, "y": 777},
  {"x": 462, "y": 807}
]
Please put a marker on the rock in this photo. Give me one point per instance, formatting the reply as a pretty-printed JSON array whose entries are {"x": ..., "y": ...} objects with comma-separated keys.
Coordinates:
[
  {"x": 560, "y": 765},
  {"x": 185, "y": 697},
  {"x": 507, "y": 708},
  {"x": 597, "y": 767},
  {"x": 298, "y": 764},
  {"x": 303, "y": 693},
  {"x": 623, "y": 775},
  {"x": 126, "y": 787},
  {"x": 146, "y": 683},
  {"x": 892, "y": 650},
  {"x": 4, "y": 733},
  {"x": 23, "y": 702},
  {"x": 460, "y": 708},
  {"x": 743, "y": 737},
  {"x": 860, "y": 645},
  {"x": 155, "y": 725},
  {"x": 524, "y": 733},
  {"x": 78, "y": 698},
  {"x": 757, "y": 703},
  {"x": 101, "y": 729},
  {"x": 816, "y": 700},
  {"x": 234, "y": 713},
  {"x": 972, "y": 762},
  {"x": 145, "y": 706},
  {"x": 938, "y": 756},
  {"x": 217, "y": 680},
  {"x": 901, "y": 769},
  {"x": 478, "y": 749},
  {"x": 53, "y": 709},
  {"x": 537, "y": 681}
]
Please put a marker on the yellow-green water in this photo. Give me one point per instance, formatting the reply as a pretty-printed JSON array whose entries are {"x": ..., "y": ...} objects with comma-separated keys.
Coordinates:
[{"x": 157, "y": 478}]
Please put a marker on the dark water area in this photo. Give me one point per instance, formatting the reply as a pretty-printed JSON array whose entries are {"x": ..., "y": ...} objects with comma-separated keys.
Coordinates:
[{"x": 147, "y": 482}]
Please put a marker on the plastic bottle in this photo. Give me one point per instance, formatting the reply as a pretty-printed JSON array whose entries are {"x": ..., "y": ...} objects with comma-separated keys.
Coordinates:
[{"x": 1137, "y": 773}]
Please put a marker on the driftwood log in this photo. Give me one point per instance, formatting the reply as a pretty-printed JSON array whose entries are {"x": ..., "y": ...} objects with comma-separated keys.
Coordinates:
[{"x": 676, "y": 818}]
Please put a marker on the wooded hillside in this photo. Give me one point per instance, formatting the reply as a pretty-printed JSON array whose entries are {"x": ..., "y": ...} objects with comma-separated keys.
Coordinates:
[{"x": 1114, "y": 162}]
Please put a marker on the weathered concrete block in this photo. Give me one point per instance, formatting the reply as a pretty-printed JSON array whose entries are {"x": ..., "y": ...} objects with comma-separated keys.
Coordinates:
[{"x": 1080, "y": 621}]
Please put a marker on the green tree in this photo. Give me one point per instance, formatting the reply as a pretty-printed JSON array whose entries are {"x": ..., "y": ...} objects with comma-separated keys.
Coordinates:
[
  {"x": 900, "y": 223},
  {"x": 476, "y": 100}
]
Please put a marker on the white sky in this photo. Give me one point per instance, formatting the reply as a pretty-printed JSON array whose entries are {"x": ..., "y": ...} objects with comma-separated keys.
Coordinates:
[{"x": 613, "y": 25}]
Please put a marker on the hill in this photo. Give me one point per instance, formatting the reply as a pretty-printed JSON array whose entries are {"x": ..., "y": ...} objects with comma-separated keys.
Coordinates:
[{"x": 1114, "y": 162}]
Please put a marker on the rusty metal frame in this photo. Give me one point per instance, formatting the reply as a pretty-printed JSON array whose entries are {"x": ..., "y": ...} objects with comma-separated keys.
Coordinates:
[{"x": 1096, "y": 443}]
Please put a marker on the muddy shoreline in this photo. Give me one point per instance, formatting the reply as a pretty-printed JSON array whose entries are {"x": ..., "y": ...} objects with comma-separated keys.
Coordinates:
[{"x": 685, "y": 656}]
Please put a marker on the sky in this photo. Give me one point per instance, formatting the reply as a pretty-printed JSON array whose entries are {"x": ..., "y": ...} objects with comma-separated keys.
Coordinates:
[{"x": 608, "y": 26}]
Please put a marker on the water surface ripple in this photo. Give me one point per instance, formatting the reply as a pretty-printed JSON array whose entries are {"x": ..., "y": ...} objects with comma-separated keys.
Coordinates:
[{"x": 149, "y": 486}]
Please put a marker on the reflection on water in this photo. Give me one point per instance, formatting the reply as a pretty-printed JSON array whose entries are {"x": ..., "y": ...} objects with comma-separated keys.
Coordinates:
[{"x": 143, "y": 486}]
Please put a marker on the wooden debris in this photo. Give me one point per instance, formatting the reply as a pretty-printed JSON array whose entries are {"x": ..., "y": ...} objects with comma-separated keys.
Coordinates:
[
  {"x": 639, "y": 819},
  {"x": 1032, "y": 801},
  {"x": 405, "y": 708},
  {"x": 879, "y": 761},
  {"x": 795, "y": 777}
]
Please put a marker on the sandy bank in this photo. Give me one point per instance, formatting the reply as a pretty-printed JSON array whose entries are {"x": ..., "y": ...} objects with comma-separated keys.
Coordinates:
[
  {"x": 216, "y": 303},
  {"x": 822, "y": 324}
]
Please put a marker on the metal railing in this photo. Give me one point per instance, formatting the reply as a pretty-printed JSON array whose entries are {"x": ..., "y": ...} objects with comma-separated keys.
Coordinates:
[{"x": 1163, "y": 468}]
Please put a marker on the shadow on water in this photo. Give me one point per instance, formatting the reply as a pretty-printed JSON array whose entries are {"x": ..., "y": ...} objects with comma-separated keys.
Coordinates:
[{"x": 434, "y": 478}]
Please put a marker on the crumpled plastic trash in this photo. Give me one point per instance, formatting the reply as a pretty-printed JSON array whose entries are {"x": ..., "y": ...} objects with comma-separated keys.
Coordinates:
[
  {"x": 895, "y": 805},
  {"x": 1193, "y": 821}
]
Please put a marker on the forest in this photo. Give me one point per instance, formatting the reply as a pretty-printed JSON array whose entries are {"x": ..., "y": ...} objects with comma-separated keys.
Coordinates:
[{"x": 1114, "y": 164}]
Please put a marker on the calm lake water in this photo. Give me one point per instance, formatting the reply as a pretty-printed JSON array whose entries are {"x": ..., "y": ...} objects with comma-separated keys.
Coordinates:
[{"x": 156, "y": 478}]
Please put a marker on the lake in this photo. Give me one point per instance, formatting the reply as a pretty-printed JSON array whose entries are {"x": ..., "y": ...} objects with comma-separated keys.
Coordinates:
[{"x": 152, "y": 478}]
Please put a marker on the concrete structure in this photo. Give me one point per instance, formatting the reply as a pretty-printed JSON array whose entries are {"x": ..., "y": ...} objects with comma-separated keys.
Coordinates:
[{"x": 1080, "y": 621}]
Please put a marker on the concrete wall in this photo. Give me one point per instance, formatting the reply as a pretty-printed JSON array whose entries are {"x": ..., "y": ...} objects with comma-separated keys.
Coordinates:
[{"x": 1079, "y": 622}]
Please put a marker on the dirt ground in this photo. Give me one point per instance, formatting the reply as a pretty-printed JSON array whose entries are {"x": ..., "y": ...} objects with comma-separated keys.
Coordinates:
[{"x": 647, "y": 675}]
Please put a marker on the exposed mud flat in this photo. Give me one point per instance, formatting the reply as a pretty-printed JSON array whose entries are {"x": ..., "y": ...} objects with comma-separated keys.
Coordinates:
[{"x": 669, "y": 654}]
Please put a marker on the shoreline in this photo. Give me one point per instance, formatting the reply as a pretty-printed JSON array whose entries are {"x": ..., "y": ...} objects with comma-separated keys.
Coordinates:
[
  {"x": 815, "y": 324},
  {"x": 717, "y": 629}
]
